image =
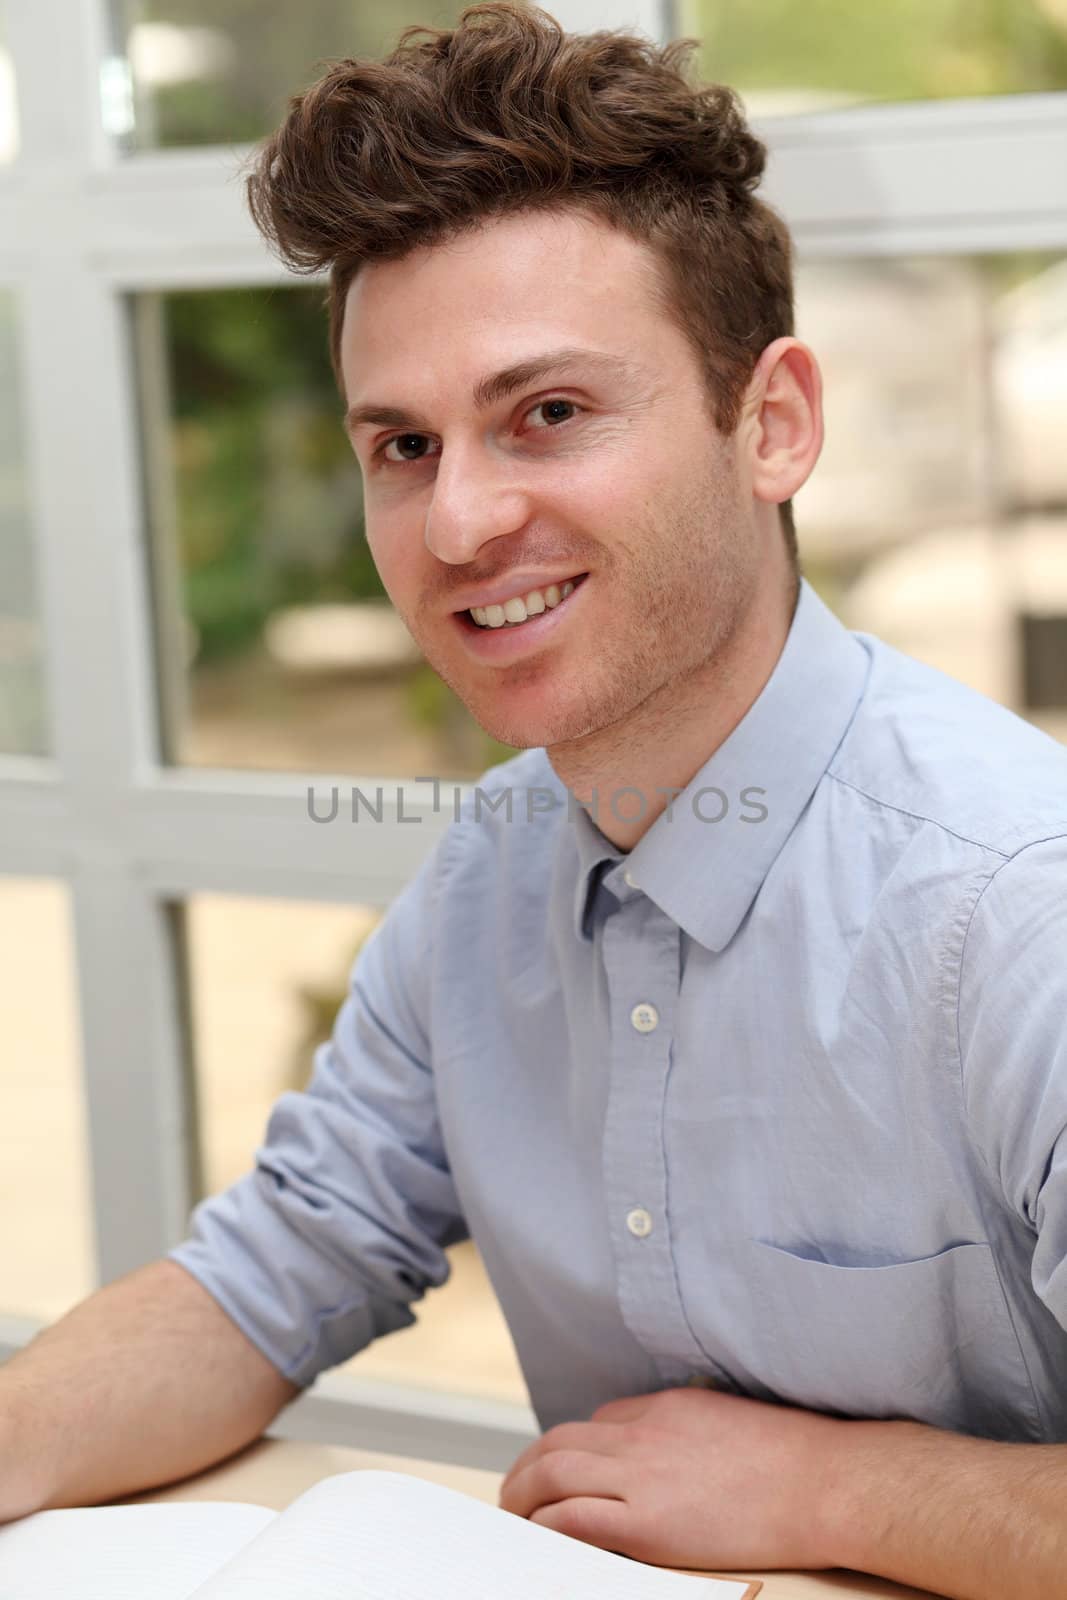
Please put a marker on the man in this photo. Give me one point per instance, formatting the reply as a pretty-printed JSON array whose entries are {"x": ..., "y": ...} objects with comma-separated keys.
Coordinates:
[{"x": 729, "y": 1020}]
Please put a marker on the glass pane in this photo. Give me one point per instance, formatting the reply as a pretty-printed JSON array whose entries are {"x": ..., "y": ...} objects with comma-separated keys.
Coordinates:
[
  {"x": 268, "y": 978},
  {"x": 787, "y": 58},
  {"x": 46, "y": 1245},
  {"x": 9, "y": 122},
  {"x": 22, "y": 709},
  {"x": 278, "y": 647},
  {"x": 937, "y": 514},
  {"x": 215, "y": 71}
]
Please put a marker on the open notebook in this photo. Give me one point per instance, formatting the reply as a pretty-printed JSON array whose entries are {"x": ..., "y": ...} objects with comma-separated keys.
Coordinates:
[{"x": 353, "y": 1536}]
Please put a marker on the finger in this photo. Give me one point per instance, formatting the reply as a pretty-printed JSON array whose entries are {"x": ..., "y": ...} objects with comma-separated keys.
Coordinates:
[
  {"x": 589, "y": 1518},
  {"x": 560, "y": 1475},
  {"x": 591, "y": 1436}
]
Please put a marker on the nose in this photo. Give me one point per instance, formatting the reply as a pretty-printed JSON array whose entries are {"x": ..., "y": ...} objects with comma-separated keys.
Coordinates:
[{"x": 476, "y": 498}]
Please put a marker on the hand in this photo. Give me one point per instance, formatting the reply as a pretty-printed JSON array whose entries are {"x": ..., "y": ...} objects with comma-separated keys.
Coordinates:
[{"x": 686, "y": 1478}]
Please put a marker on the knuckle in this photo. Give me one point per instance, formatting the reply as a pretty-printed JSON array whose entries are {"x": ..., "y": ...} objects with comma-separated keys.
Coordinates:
[
  {"x": 574, "y": 1518},
  {"x": 561, "y": 1464}
]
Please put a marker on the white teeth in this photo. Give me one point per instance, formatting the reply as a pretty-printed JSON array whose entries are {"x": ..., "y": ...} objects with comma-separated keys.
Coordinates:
[{"x": 519, "y": 607}]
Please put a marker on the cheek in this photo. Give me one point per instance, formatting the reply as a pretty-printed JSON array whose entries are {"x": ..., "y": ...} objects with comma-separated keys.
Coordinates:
[
  {"x": 645, "y": 478},
  {"x": 396, "y": 545},
  {"x": 603, "y": 504}
]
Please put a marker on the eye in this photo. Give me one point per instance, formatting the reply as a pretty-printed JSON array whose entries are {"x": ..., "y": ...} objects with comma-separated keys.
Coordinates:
[
  {"x": 412, "y": 447},
  {"x": 552, "y": 406}
]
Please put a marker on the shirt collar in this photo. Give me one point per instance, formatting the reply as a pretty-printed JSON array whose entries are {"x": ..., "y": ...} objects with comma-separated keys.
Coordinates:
[
  {"x": 593, "y": 850},
  {"x": 705, "y": 874}
]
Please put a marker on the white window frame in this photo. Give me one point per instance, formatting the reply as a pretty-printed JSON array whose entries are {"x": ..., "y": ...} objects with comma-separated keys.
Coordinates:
[{"x": 80, "y": 228}]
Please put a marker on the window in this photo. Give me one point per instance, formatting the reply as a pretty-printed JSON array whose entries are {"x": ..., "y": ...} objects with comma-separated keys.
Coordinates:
[
  {"x": 786, "y": 57},
  {"x": 937, "y": 516},
  {"x": 190, "y": 72},
  {"x": 278, "y": 647}
]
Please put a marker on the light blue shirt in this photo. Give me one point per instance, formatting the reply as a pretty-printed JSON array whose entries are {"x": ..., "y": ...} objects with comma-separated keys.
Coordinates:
[{"x": 779, "y": 1099}]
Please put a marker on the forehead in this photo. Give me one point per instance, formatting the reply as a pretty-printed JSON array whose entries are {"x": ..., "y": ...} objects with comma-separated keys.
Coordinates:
[{"x": 513, "y": 287}]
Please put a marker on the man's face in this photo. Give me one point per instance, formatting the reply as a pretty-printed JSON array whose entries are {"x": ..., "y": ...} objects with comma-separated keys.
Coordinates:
[{"x": 604, "y": 469}]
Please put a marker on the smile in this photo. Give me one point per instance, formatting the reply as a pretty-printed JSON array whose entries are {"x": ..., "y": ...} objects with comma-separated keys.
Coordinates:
[
  {"x": 515, "y": 611},
  {"x": 501, "y": 642}
]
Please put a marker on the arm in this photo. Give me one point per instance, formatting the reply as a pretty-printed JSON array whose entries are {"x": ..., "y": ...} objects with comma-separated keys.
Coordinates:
[
  {"x": 323, "y": 1247},
  {"x": 146, "y": 1381},
  {"x": 964, "y": 1517},
  {"x": 345, "y": 1221}
]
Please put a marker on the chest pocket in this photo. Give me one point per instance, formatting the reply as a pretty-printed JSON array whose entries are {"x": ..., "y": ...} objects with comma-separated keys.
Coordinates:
[{"x": 931, "y": 1340}]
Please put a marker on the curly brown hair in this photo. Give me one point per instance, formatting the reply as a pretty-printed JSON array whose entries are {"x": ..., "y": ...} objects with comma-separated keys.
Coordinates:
[{"x": 505, "y": 113}]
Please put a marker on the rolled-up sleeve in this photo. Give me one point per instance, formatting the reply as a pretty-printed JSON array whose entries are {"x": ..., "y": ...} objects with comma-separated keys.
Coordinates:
[
  {"x": 1013, "y": 1044},
  {"x": 345, "y": 1219}
]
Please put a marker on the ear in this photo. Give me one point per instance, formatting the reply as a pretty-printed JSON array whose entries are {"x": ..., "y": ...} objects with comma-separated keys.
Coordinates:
[{"x": 782, "y": 417}]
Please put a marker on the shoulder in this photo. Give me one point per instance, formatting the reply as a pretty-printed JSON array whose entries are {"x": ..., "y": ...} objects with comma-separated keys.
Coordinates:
[
  {"x": 933, "y": 750},
  {"x": 1011, "y": 1004}
]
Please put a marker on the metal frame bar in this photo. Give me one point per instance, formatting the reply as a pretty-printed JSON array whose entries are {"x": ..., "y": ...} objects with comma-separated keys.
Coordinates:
[{"x": 80, "y": 229}]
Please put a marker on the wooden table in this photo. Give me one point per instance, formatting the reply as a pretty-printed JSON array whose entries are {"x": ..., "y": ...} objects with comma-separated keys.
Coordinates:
[{"x": 273, "y": 1472}]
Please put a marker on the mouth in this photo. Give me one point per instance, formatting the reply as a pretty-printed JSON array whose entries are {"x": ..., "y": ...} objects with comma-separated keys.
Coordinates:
[
  {"x": 505, "y": 631},
  {"x": 520, "y": 609}
]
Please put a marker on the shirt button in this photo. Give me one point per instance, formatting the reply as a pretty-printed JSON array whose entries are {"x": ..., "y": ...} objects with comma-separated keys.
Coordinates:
[
  {"x": 639, "y": 1222},
  {"x": 629, "y": 880},
  {"x": 644, "y": 1017}
]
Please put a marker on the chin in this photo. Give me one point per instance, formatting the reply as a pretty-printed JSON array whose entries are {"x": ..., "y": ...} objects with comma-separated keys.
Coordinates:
[
  {"x": 548, "y": 708},
  {"x": 522, "y": 733},
  {"x": 528, "y": 728}
]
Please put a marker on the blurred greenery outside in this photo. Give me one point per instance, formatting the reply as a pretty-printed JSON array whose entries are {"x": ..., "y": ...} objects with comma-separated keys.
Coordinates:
[
  {"x": 269, "y": 502},
  {"x": 833, "y": 51},
  {"x": 268, "y": 493},
  {"x": 255, "y": 55}
]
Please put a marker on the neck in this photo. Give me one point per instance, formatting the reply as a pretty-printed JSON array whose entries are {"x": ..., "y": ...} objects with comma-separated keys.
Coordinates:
[{"x": 662, "y": 744}]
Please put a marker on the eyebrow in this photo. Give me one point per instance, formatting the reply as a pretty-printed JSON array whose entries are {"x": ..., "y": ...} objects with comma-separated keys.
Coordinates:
[{"x": 497, "y": 386}]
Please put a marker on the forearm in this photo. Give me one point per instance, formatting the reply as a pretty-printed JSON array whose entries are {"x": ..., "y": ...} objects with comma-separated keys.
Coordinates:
[
  {"x": 146, "y": 1381},
  {"x": 965, "y": 1517}
]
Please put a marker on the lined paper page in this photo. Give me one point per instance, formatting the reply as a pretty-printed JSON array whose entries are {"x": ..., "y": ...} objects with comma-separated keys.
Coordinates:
[
  {"x": 154, "y": 1552},
  {"x": 385, "y": 1536}
]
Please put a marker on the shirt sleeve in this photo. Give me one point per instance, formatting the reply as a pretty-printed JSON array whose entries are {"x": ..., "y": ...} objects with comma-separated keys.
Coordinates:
[
  {"x": 1013, "y": 1046},
  {"x": 344, "y": 1221}
]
